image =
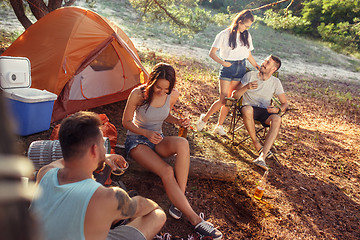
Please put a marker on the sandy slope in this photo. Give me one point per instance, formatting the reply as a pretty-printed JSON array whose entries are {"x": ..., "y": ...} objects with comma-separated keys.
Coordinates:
[
  {"x": 290, "y": 66},
  {"x": 294, "y": 65}
]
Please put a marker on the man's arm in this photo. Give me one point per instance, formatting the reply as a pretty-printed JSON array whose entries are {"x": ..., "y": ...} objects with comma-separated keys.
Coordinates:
[
  {"x": 283, "y": 107},
  {"x": 115, "y": 204},
  {"x": 55, "y": 164},
  {"x": 284, "y": 103},
  {"x": 133, "y": 207},
  {"x": 241, "y": 89}
]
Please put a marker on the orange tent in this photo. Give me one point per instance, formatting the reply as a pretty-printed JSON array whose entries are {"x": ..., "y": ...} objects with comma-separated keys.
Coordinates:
[{"x": 82, "y": 57}]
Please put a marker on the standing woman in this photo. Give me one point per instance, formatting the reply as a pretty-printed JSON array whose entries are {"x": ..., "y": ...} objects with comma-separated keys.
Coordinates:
[
  {"x": 148, "y": 106},
  {"x": 235, "y": 45}
]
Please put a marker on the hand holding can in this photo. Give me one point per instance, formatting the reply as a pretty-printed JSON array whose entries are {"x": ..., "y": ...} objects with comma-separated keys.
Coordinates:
[
  {"x": 120, "y": 170},
  {"x": 253, "y": 85}
]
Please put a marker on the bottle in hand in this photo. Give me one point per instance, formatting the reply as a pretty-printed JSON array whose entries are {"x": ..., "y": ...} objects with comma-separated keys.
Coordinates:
[
  {"x": 183, "y": 131},
  {"x": 259, "y": 190}
]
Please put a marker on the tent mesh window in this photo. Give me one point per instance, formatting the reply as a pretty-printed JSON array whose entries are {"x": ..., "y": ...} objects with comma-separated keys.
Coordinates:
[{"x": 106, "y": 60}]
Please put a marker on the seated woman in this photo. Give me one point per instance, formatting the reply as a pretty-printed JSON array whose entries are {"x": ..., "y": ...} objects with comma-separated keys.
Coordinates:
[{"x": 148, "y": 106}]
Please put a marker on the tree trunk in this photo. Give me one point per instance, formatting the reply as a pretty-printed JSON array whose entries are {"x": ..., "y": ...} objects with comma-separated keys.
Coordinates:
[
  {"x": 69, "y": 2},
  {"x": 18, "y": 8},
  {"x": 54, "y": 4},
  {"x": 199, "y": 167},
  {"x": 38, "y": 8}
]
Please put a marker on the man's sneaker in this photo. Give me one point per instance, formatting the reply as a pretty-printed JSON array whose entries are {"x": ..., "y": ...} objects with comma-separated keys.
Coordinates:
[
  {"x": 268, "y": 155},
  {"x": 174, "y": 212},
  {"x": 206, "y": 229},
  {"x": 200, "y": 124},
  {"x": 219, "y": 130},
  {"x": 261, "y": 162}
]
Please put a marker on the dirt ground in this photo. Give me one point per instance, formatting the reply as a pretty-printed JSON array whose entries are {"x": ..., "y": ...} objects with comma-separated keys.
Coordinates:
[{"x": 313, "y": 187}]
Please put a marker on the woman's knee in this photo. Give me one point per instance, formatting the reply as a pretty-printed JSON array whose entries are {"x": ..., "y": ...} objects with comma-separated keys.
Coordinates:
[
  {"x": 222, "y": 99},
  {"x": 182, "y": 145},
  {"x": 167, "y": 173}
]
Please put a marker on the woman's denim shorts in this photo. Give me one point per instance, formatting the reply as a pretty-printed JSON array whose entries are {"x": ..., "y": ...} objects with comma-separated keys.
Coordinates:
[
  {"x": 133, "y": 140},
  {"x": 233, "y": 73}
]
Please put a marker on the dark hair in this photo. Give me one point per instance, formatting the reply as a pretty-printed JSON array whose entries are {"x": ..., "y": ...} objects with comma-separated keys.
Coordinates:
[
  {"x": 277, "y": 61},
  {"x": 242, "y": 17},
  {"x": 159, "y": 71},
  {"x": 78, "y": 132}
]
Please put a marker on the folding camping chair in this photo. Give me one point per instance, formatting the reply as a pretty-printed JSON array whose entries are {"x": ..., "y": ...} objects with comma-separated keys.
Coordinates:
[{"x": 236, "y": 122}]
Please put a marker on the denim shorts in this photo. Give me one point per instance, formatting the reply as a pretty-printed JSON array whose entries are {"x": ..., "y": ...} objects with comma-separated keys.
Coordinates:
[
  {"x": 133, "y": 140},
  {"x": 233, "y": 73}
]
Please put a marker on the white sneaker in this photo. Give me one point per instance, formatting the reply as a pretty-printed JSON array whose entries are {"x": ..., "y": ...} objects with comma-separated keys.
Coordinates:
[
  {"x": 200, "y": 124},
  {"x": 219, "y": 130},
  {"x": 260, "y": 162}
]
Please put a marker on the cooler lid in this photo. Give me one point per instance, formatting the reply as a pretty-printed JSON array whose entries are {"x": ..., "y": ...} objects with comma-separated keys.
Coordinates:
[
  {"x": 29, "y": 95},
  {"x": 15, "y": 72}
]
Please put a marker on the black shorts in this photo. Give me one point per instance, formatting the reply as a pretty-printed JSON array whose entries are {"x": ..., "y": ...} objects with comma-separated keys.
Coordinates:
[{"x": 261, "y": 114}]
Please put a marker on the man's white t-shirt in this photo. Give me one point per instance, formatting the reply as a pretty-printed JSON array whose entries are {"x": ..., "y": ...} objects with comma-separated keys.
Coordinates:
[
  {"x": 261, "y": 96},
  {"x": 226, "y": 52}
]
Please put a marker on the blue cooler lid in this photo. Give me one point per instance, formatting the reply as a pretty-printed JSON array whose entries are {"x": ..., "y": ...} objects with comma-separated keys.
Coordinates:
[
  {"x": 29, "y": 95},
  {"x": 15, "y": 72}
]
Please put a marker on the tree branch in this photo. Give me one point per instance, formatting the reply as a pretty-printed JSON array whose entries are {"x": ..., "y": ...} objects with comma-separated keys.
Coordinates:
[
  {"x": 287, "y": 8},
  {"x": 271, "y": 4},
  {"x": 69, "y": 2},
  {"x": 38, "y": 8},
  {"x": 54, "y": 4},
  {"x": 169, "y": 15},
  {"x": 18, "y": 8}
]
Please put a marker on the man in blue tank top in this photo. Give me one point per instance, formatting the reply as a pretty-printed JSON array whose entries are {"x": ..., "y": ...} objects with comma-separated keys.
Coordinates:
[{"x": 72, "y": 205}]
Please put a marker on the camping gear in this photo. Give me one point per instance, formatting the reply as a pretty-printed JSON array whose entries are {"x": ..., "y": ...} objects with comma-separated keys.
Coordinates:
[
  {"x": 43, "y": 152},
  {"x": 84, "y": 58},
  {"x": 30, "y": 108},
  {"x": 108, "y": 129}
]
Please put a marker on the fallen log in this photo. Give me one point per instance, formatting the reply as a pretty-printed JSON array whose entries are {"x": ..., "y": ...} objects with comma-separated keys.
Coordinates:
[{"x": 201, "y": 168}]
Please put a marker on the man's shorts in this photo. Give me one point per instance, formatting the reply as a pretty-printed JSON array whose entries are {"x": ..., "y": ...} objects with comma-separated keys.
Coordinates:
[
  {"x": 261, "y": 114},
  {"x": 233, "y": 73},
  {"x": 125, "y": 232}
]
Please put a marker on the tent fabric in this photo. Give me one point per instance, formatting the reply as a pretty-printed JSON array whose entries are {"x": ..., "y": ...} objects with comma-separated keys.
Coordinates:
[{"x": 68, "y": 51}]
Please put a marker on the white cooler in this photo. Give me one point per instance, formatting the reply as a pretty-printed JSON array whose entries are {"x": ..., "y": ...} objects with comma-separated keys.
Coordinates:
[{"x": 31, "y": 108}]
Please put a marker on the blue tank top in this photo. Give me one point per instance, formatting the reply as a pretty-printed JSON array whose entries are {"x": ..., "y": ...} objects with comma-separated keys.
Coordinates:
[
  {"x": 61, "y": 209},
  {"x": 151, "y": 118}
]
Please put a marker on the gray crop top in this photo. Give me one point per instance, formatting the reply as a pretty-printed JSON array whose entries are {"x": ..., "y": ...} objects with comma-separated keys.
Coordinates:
[{"x": 151, "y": 118}]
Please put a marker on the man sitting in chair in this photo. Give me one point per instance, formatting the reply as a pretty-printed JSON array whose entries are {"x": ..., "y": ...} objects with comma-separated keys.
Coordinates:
[{"x": 257, "y": 89}]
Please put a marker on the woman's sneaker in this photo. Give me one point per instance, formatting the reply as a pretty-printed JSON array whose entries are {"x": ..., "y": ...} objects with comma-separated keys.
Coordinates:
[
  {"x": 219, "y": 130},
  {"x": 175, "y": 212},
  {"x": 200, "y": 124},
  {"x": 206, "y": 229}
]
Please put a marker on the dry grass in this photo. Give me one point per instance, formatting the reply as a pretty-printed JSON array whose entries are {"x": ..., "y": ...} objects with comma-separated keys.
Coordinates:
[{"x": 313, "y": 188}]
